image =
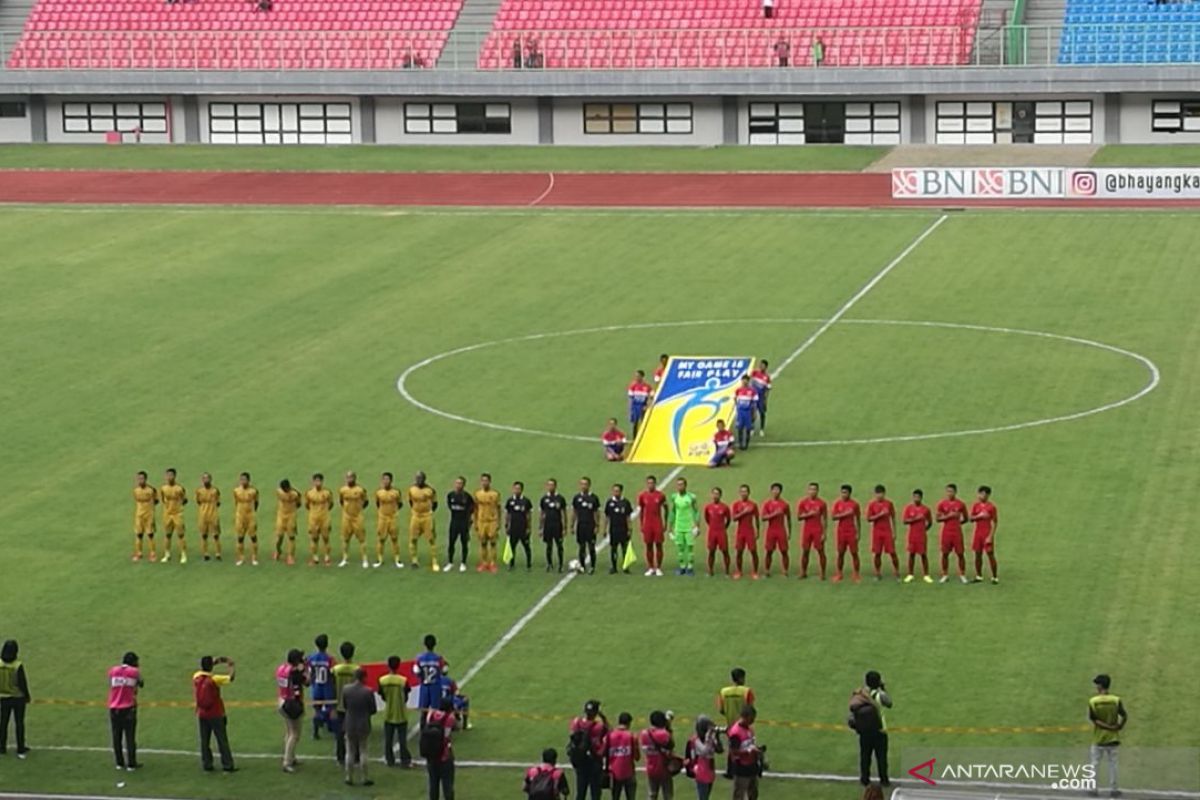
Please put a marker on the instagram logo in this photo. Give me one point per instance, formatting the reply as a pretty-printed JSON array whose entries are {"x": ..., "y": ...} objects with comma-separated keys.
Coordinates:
[{"x": 1083, "y": 183}]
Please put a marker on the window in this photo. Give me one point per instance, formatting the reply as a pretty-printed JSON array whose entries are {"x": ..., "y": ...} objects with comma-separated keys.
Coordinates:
[
  {"x": 776, "y": 123},
  {"x": 972, "y": 122},
  {"x": 1063, "y": 122},
  {"x": 637, "y": 118},
  {"x": 105, "y": 117},
  {"x": 457, "y": 118},
  {"x": 279, "y": 123},
  {"x": 12, "y": 110},
  {"x": 1174, "y": 116},
  {"x": 872, "y": 123}
]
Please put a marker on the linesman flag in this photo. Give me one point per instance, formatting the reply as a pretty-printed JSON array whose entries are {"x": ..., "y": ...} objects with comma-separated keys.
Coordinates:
[
  {"x": 630, "y": 557},
  {"x": 507, "y": 555}
]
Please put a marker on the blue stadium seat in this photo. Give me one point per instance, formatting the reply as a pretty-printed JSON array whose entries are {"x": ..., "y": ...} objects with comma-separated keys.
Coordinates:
[{"x": 1130, "y": 32}]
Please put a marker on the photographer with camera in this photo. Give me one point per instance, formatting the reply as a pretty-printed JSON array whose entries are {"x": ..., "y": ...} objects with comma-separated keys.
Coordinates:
[
  {"x": 658, "y": 745},
  {"x": 210, "y": 710},
  {"x": 867, "y": 720},
  {"x": 749, "y": 759},
  {"x": 585, "y": 749},
  {"x": 290, "y": 679},
  {"x": 699, "y": 756}
]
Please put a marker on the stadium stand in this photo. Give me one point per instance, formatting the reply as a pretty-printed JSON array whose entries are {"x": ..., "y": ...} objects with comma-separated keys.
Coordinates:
[
  {"x": 1130, "y": 32},
  {"x": 234, "y": 34},
  {"x": 645, "y": 34}
]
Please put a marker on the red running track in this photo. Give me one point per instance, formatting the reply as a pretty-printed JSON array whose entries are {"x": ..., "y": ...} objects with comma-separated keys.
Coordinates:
[{"x": 634, "y": 190}]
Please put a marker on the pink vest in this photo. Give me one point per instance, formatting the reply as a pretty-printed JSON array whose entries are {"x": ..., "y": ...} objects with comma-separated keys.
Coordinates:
[{"x": 122, "y": 686}]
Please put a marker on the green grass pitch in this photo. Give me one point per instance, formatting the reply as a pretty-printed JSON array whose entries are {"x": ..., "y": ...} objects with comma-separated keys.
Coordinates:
[{"x": 229, "y": 339}]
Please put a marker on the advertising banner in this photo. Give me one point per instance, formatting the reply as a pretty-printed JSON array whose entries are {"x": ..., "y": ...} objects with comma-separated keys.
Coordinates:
[
  {"x": 1175, "y": 183},
  {"x": 979, "y": 183}
]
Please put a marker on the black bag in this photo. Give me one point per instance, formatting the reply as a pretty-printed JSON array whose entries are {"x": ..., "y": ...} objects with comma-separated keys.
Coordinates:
[
  {"x": 293, "y": 708},
  {"x": 432, "y": 741},
  {"x": 579, "y": 747},
  {"x": 544, "y": 785},
  {"x": 865, "y": 718}
]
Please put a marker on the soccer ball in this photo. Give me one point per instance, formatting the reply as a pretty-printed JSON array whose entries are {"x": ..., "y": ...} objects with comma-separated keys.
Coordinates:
[{"x": 574, "y": 565}]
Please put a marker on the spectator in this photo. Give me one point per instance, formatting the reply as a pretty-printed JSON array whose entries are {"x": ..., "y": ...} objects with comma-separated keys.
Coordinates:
[
  {"x": 867, "y": 720},
  {"x": 1107, "y": 715},
  {"x": 533, "y": 55},
  {"x": 393, "y": 688},
  {"x": 746, "y": 755},
  {"x": 437, "y": 748},
  {"x": 658, "y": 745},
  {"x": 124, "y": 680},
  {"x": 290, "y": 679},
  {"x": 586, "y": 747},
  {"x": 210, "y": 710},
  {"x": 343, "y": 674},
  {"x": 700, "y": 756},
  {"x": 546, "y": 781},
  {"x": 818, "y": 51},
  {"x": 360, "y": 705},
  {"x": 14, "y": 696},
  {"x": 623, "y": 755},
  {"x": 783, "y": 52},
  {"x": 518, "y": 56},
  {"x": 768, "y": 8},
  {"x": 264, "y": 5}
]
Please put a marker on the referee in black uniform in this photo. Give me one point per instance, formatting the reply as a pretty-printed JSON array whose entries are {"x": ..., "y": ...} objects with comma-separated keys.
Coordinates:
[
  {"x": 585, "y": 507},
  {"x": 462, "y": 506},
  {"x": 617, "y": 511}
]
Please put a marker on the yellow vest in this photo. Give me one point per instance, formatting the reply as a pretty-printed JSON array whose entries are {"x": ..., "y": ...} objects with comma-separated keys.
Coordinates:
[
  {"x": 1105, "y": 709},
  {"x": 8, "y": 679},
  {"x": 733, "y": 699}
]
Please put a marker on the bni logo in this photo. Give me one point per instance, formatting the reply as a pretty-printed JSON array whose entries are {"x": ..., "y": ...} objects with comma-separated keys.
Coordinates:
[
  {"x": 924, "y": 772},
  {"x": 1083, "y": 183}
]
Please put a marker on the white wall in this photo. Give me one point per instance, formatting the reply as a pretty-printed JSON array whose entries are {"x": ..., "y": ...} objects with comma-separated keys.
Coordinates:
[
  {"x": 55, "y": 131},
  {"x": 16, "y": 130},
  {"x": 1136, "y": 119},
  {"x": 707, "y": 123},
  {"x": 389, "y": 122},
  {"x": 205, "y": 101}
]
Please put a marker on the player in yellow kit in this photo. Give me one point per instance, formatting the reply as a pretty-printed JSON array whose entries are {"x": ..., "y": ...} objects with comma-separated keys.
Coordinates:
[
  {"x": 318, "y": 502},
  {"x": 487, "y": 522},
  {"x": 287, "y": 501},
  {"x": 208, "y": 516},
  {"x": 353, "y": 499},
  {"x": 422, "y": 502},
  {"x": 387, "y": 502},
  {"x": 245, "y": 518},
  {"x": 174, "y": 498},
  {"x": 145, "y": 498}
]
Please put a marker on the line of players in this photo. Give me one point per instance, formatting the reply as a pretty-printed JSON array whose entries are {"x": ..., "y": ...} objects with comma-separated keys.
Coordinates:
[{"x": 585, "y": 516}]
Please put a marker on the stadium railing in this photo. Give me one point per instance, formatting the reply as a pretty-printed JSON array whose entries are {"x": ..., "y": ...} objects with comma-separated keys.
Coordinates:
[{"x": 600, "y": 50}]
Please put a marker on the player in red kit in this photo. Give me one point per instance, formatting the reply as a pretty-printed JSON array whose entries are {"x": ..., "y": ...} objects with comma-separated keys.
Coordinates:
[
  {"x": 813, "y": 512},
  {"x": 882, "y": 516},
  {"x": 652, "y": 509},
  {"x": 660, "y": 370},
  {"x": 777, "y": 513},
  {"x": 847, "y": 515},
  {"x": 919, "y": 520},
  {"x": 983, "y": 514},
  {"x": 745, "y": 514},
  {"x": 952, "y": 513},
  {"x": 717, "y": 516}
]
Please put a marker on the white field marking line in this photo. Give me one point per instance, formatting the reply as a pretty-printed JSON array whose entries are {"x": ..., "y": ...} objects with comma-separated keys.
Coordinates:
[
  {"x": 478, "y": 764},
  {"x": 1149, "y": 365},
  {"x": 545, "y": 193},
  {"x": 861, "y": 293}
]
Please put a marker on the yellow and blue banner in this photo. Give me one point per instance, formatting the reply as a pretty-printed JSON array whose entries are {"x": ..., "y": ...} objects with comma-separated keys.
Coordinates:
[{"x": 695, "y": 391}]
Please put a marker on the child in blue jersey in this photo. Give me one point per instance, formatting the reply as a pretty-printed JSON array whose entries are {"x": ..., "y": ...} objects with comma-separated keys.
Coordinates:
[
  {"x": 429, "y": 668},
  {"x": 320, "y": 677},
  {"x": 745, "y": 402},
  {"x": 640, "y": 394},
  {"x": 462, "y": 703}
]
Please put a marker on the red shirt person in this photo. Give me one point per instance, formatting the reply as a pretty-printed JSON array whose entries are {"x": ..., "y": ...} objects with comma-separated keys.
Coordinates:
[
  {"x": 813, "y": 512},
  {"x": 881, "y": 513},
  {"x": 717, "y": 516},
  {"x": 952, "y": 513},
  {"x": 919, "y": 520},
  {"x": 652, "y": 511},
  {"x": 847, "y": 515},
  {"x": 745, "y": 514},
  {"x": 592, "y": 731},
  {"x": 658, "y": 746},
  {"x": 622, "y": 756},
  {"x": 983, "y": 514},
  {"x": 546, "y": 778},
  {"x": 777, "y": 513}
]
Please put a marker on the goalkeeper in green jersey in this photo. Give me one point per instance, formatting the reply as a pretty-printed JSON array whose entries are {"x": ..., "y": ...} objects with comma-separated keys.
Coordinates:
[{"x": 684, "y": 521}]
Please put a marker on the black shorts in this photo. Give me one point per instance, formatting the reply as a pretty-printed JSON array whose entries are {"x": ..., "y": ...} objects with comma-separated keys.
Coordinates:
[
  {"x": 459, "y": 529},
  {"x": 585, "y": 535},
  {"x": 552, "y": 534},
  {"x": 616, "y": 539}
]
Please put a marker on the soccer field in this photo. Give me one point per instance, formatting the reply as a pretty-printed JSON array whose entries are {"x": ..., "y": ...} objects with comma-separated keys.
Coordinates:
[{"x": 1050, "y": 355}]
